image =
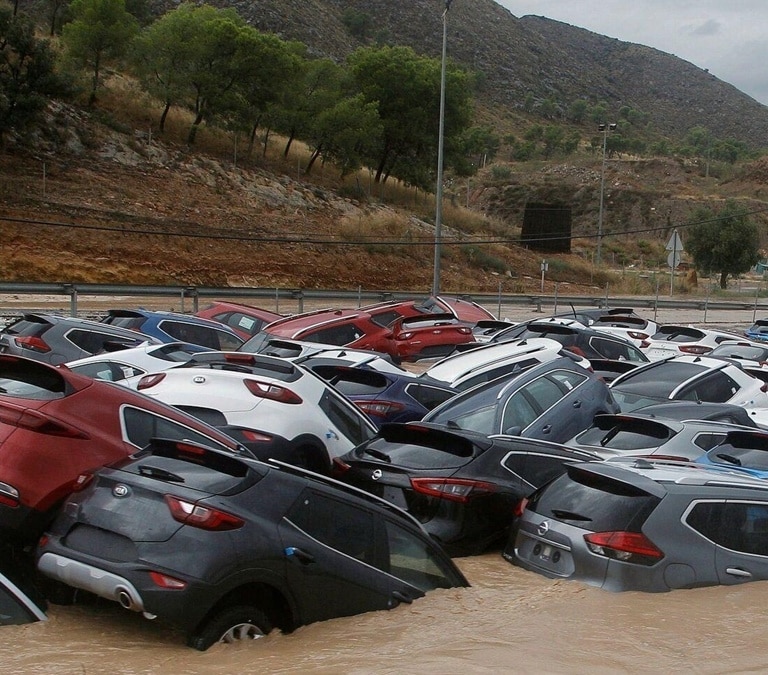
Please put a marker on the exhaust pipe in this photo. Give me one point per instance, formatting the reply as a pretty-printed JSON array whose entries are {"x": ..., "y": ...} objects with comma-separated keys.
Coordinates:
[{"x": 125, "y": 599}]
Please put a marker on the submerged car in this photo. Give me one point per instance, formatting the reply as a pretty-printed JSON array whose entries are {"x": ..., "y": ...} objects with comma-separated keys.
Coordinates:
[
  {"x": 645, "y": 526},
  {"x": 228, "y": 548},
  {"x": 55, "y": 424},
  {"x": 552, "y": 401},
  {"x": 461, "y": 486},
  {"x": 277, "y": 408}
]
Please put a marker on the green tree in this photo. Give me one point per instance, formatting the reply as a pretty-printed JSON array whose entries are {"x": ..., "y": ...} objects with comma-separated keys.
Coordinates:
[
  {"x": 406, "y": 89},
  {"x": 725, "y": 242},
  {"x": 100, "y": 30},
  {"x": 577, "y": 111},
  {"x": 27, "y": 76}
]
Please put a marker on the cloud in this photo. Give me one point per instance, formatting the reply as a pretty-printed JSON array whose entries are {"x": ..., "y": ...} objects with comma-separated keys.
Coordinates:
[{"x": 707, "y": 29}]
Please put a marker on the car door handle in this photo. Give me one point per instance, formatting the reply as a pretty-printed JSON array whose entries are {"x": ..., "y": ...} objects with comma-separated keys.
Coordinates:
[
  {"x": 546, "y": 429},
  {"x": 577, "y": 404},
  {"x": 402, "y": 597},
  {"x": 302, "y": 556},
  {"x": 736, "y": 572}
]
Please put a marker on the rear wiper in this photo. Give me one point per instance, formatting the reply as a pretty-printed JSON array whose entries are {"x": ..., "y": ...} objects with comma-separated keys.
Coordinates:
[
  {"x": 161, "y": 474},
  {"x": 728, "y": 458},
  {"x": 451, "y": 424},
  {"x": 378, "y": 454},
  {"x": 569, "y": 515}
]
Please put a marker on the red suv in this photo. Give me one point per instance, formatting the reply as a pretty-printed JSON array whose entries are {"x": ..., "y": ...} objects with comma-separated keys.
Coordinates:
[
  {"x": 56, "y": 424},
  {"x": 406, "y": 330},
  {"x": 245, "y": 320}
]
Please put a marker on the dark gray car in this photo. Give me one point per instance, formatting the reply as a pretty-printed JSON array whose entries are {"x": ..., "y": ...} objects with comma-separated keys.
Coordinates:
[
  {"x": 552, "y": 401},
  {"x": 56, "y": 339},
  {"x": 645, "y": 526}
]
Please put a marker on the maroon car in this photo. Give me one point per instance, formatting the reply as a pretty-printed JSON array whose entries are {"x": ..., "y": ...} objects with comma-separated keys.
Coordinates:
[
  {"x": 245, "y": 320},
  {"x": 56, "y": 424}
]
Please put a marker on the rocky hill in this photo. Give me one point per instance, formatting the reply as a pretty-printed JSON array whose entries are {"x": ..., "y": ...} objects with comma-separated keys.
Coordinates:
[{"x": 520, "y": 56}]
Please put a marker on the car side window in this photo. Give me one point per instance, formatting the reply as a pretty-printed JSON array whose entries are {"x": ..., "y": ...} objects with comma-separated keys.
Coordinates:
[
  {"x": 93, "y": 341},
  {"x": 716, "y": 387},
  {"x": 141, "y": 426},
  {"x": 344, "y": 419},
  {"x": 739, "y": 526},
  {"x": 545, "y": 392},
  {"x": 518, "y": 413},
  {"x": 337, "y": 524},
  {"x": 107, "y": 370},
  {"x": 336, "y": 335},
  {"x": 413, "y": 560},
  {"x": 242, "y": 321},
  {"x": 429, "y": 397},
  {"x": 707, "y": 441},
  {"x": 499, "y": 371}
]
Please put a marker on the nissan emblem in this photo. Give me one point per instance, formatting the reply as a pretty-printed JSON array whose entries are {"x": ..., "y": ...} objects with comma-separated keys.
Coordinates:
[
  {"x": 376, "y": 474},
  {"x": 543, "y": 528},
  {"x": 121, "y": 490}
]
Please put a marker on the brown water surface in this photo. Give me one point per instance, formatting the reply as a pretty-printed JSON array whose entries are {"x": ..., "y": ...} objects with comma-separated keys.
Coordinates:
[{"x": 509, "y": 620}]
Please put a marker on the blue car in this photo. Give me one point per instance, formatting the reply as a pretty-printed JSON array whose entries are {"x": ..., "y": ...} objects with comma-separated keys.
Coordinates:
[
  {"x": 384, "y": 396},
  {"x": 758, "y": 331},
  {"x": 744, "y": 451},
  {"x": 175, "y": 327}
]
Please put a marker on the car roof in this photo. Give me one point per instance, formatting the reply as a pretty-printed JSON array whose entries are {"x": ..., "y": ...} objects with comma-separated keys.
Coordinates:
[
  {"x": 456, "y": 366},
  {"x": 292, "y": 325}
]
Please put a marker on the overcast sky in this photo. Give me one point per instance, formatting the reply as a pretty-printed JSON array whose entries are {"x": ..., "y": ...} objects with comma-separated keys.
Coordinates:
[{"x": 728, "y": 37}]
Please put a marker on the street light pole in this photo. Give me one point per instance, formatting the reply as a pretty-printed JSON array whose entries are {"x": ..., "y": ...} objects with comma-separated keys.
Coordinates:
[
  {"x": 605, "y": 128},
  {"x": 439, "y": 186}
]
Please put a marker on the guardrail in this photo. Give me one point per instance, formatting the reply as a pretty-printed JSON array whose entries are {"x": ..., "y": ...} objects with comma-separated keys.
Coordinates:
[{"x": 538, "y": 302}]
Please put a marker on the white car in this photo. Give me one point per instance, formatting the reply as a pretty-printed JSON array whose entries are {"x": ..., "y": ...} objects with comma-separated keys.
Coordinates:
[
  {"x": 631, "y": 327},
  {"x": 464, "y": 370},
  {"x": 673, "y": 340},
  {"x": 300, "y": 417},
  {"x": 689, "y": 378},
  {"x": 120, "y": 365}
]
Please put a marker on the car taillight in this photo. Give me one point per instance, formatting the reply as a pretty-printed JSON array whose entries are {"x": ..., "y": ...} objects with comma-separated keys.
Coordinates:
[
  {"x": 520, "y": 507},
  {"x": 256, "y": 436},
  {"x": 9, "y": 495},
  {"x": 644, "y": 344},
  {"x": 464, "y": 330},
  {"x": 453, "y": 489},
  {"x": 204, "y": 517},
  {"x": 33, "y": 343},
  {"x": 339, "y": 467},
  {"x": 38, "y": 422},
  {"x": 631, "y": 547},
  {"x": 695, "y": 349},
  {"x": 150, "y": 381},
  {"x": 379, "y": 408},
  {"x": 164, "y": 581},
  {"x": 273, "y": 392},
  {"x": 576, "y": 350},
  {"x": 404, "y": 336},
  {"x": 636, "y": 335}
]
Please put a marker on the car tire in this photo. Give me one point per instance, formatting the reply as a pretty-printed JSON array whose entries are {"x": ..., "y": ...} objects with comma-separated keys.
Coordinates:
[{"x": 232, "y": 624}]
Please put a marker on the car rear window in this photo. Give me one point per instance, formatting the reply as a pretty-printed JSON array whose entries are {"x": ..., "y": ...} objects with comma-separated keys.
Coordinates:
[
  {"x": 353, "y": 381},
  {"x": 29, "y": 379},
  {"x": 28, "y": 327},
  {"x": 421, "y": 449},
  {"x": 626, "y": 434},
  {"x": 594, "y": 502},
  {"x": 678, "y": 334}
]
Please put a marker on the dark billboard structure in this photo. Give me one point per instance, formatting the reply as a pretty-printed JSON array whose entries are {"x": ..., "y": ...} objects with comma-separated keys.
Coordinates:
[{"x": 547, "y": 227}]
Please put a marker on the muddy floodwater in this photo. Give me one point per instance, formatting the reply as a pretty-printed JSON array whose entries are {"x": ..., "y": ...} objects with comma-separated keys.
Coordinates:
[{"x": 510, "y": 620}]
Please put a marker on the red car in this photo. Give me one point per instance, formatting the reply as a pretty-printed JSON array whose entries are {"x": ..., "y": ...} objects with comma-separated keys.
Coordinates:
[
  {"x": 56, "y": 424},
  {"x": 245, "y": 320},
  {"x": 406, "y": 330}
]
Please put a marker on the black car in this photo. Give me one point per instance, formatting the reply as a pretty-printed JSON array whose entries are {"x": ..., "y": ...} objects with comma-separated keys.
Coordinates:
[
  {"x": 462, "y": 486},
  {"x": 227, "y": 547},
  {"x": 551, "y": 401}
]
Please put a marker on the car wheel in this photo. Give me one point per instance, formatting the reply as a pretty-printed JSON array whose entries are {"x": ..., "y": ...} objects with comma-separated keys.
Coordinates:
[{"x": 232, "y": 624}]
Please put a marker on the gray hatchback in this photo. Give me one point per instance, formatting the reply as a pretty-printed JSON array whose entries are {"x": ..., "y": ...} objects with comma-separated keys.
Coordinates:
[
  {"x": 55, "y": 339},
  {"x": 645, "y": 526}
]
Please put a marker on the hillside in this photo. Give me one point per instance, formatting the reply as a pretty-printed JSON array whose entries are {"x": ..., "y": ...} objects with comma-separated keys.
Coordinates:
[{"x": 520, "y": 56}]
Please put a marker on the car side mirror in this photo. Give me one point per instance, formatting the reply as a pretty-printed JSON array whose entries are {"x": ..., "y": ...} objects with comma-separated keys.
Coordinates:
[{"x": 513, "y": 431}]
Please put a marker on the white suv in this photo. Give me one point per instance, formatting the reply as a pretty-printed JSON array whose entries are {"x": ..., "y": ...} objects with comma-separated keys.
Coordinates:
[{"x": 464, "y": 370}]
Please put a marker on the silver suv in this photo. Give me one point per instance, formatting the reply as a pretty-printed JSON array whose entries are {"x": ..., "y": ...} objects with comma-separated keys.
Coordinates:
[{"x": 645, "y": 526}]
